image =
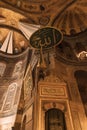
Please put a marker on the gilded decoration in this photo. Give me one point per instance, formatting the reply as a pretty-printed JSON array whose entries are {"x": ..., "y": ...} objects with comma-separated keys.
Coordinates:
[
  {"x": 28, "y": 83},
  {"x": 46, "y": 38},
  {"x": 50, "y": 105},
  {"x": 47, "y": 91}
]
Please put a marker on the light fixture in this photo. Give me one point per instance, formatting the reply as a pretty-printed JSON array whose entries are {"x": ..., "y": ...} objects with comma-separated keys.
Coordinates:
[
  {"x": 82, "y": 55},
  {"x": 80, "y": 51}
]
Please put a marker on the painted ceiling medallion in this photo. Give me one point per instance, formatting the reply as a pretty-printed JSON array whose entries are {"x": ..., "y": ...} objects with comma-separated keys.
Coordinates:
[{"x": 46, "y": 38}]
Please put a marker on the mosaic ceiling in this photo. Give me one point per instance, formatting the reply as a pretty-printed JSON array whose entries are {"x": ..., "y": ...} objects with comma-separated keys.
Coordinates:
[{"x": 69, "y": 16}]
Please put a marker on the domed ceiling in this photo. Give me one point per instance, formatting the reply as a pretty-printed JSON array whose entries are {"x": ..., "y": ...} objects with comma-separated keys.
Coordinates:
[{"x": 69, "y": 16}]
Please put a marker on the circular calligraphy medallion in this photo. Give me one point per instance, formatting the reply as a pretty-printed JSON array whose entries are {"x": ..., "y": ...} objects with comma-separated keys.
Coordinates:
[{"x": 46, "y": 38}]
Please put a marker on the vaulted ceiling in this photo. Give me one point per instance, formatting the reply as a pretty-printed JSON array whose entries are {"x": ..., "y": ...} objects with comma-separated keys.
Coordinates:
[{"x": 69, "y": 16}]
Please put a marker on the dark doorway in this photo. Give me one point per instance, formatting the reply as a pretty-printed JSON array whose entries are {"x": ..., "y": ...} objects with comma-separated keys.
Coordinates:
[{"x": 55, "y": 120}]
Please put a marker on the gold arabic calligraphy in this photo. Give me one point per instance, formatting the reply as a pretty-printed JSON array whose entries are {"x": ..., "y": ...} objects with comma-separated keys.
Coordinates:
[
  {"x": 38, "y": 42},
  {"x": 45, "y": 38}
]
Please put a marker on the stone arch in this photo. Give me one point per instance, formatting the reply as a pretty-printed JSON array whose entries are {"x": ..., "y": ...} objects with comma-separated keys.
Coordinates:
[{"x": 52, "y": 105}]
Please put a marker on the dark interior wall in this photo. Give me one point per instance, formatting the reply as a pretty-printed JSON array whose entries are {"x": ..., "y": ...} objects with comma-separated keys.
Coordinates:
[{"x": 81, "y": 78}]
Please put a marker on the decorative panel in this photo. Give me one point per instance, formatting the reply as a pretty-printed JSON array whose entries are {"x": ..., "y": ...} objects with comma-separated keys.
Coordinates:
[
  {"x": 17, "y": 69},
  {"x": 2, "y": 97},
  {"x": 28, "y": 84},
  {"x": 2, "y": 69},
  {"x": 47, "y": 91},
  {"x": 30, "y": 113},
  {"x": 53, "y": 90},
  {"x": 10, "y": 97}
]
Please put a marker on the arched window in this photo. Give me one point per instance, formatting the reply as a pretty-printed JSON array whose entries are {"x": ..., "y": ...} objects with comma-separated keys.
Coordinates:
[
  {"x": 8, "y": 105},
  {"x": 54, "y": 120},
  {"x": 2, "y": 69}
]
